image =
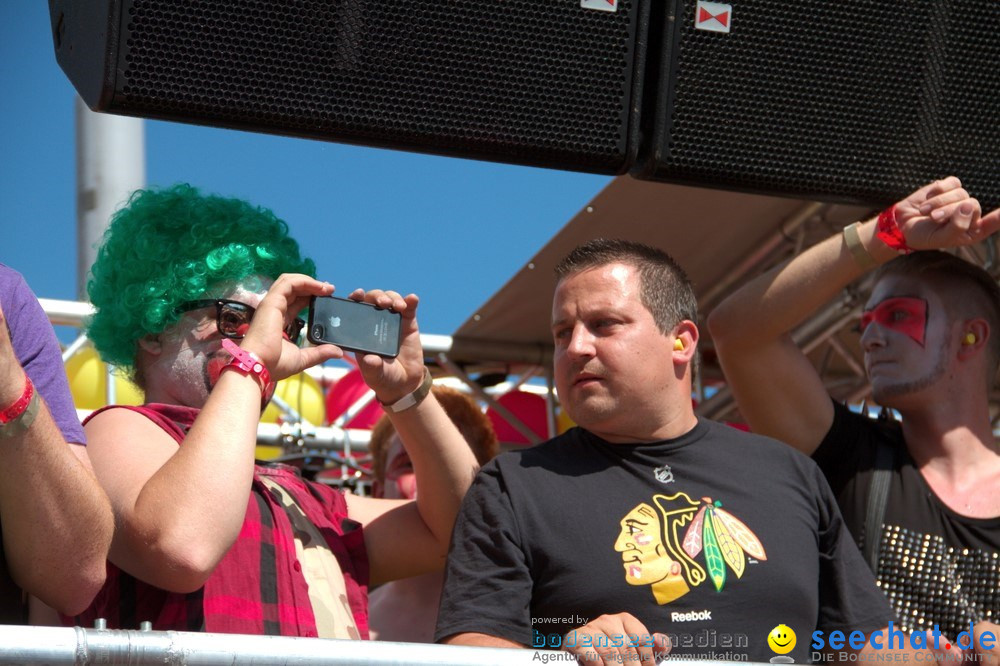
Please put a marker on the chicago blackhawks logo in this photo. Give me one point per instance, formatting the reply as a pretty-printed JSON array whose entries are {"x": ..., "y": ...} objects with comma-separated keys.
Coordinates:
[{"x": 681, "y": 543}]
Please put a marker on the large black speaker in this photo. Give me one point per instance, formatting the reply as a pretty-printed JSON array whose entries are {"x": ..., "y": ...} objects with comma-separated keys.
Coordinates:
[
  {"x": 849, "y": 100},
  {"x": 553, "y": 83}
]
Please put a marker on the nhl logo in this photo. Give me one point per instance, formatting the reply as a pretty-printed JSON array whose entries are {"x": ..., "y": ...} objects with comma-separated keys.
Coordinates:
[{"x": 664, "y": 474}]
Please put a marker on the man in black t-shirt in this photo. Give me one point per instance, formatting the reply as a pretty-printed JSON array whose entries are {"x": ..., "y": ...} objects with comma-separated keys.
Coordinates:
[
  {"x": 647, "y": 526},
  {"x": 931, "y": 342}
]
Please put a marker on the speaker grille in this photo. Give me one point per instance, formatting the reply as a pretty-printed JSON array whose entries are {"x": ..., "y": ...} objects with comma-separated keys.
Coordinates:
[
  {"x": 838, "y": 100},
  {"x": 533, "y": 81}
]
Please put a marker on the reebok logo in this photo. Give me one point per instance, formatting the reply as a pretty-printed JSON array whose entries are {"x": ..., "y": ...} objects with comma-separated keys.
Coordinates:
[{"x": 691, "y": 617}]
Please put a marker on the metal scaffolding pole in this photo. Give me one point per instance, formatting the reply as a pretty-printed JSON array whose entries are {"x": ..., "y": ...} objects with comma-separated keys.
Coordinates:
[
  {"x": 65, "y": 645},
  {"x": 110, "y": 165}
]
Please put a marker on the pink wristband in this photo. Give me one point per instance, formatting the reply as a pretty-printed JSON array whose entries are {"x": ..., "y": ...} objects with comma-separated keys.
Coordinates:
[
  {"x": 248, "y": 363},
  {"x": 19, "y": 406}
]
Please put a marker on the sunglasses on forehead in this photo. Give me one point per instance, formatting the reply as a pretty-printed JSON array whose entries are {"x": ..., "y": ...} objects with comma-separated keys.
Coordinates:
[{"x": 233, "y": 318}]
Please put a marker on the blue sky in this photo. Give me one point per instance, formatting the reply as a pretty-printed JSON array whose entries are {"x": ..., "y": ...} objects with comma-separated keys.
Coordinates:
[{"x": 452, "y": 231}]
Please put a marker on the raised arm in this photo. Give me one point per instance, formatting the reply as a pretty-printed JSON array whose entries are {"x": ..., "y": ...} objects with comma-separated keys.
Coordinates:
[
  {"x": 405, "y": 538},
  {"x": 180, "y": 509},
  {"x": 778, "y": 390},
  {"x": 56, "y": 520}
]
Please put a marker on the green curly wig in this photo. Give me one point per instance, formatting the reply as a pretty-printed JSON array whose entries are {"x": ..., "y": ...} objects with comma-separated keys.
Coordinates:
[{"x": 169, "y": 246}]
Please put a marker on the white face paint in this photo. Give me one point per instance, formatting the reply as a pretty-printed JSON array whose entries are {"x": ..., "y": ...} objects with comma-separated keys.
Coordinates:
[
  {"x": 899, "y": 366},
  {"x": 191, "y": 354}
]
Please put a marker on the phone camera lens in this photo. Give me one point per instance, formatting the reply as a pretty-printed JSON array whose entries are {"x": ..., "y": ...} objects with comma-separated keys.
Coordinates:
[{"x": 317, "y": 331}]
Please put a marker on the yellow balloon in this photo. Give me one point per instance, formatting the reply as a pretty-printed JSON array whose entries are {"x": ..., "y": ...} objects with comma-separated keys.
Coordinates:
[
  {"x": 563, "y": 422},
  {"x": 265, "y": 452},
  {"x": 88, "y": 381},
  {"x": 303, "y": 394}
]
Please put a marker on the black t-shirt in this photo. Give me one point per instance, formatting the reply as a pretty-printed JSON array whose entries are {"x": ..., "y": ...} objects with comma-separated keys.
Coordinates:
[
  {"x": 713, "y": 538},
  {"x": 935, "y": 565}
]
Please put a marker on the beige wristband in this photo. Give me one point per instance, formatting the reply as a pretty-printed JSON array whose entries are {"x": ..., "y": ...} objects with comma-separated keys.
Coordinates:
[
  {"x": 852, "y": 239},
  {"x": 412, "y": 399}
]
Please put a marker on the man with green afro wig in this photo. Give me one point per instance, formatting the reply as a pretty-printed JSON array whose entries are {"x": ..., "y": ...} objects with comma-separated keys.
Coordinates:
[
  {"x": 165, "y": 248},
  {"x": 198, "y": 296}
]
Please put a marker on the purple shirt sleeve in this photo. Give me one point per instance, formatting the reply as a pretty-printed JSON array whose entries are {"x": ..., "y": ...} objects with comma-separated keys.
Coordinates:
[{"x": 37, "y": 349}]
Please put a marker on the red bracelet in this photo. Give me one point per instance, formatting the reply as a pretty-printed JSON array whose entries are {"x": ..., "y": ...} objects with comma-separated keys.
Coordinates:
[
  {"x": 889, "y": 233},
  {"x": 20, "y": 405},
  {"x": 248, "y": 363}
]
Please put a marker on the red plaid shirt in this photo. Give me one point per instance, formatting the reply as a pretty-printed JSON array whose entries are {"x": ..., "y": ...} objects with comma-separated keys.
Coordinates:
[{"x": 258, "y": 586}]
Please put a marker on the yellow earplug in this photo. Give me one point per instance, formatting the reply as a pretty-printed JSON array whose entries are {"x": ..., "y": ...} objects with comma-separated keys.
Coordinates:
[
  {"x": 678, "y": 345},
  {"x": 969, "y": 339}
]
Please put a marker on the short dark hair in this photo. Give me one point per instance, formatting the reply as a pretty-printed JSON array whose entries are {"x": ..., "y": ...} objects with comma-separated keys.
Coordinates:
[
  {"x": 968, "y": 290},
  {"x": 664, "y": 287}
]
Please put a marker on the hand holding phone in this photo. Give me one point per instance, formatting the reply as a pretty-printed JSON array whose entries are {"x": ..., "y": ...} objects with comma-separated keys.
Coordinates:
[{"x": 354, "y": 326}]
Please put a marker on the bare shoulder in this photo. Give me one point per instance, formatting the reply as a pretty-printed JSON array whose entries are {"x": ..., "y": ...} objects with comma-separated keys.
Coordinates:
[
  {"x": 125, "y": 448},
  {"x": 116, "y": 425}
]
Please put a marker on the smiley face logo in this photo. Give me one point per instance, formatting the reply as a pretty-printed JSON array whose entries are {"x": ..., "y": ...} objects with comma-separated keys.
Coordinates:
[{"x": 781, "y": 639}]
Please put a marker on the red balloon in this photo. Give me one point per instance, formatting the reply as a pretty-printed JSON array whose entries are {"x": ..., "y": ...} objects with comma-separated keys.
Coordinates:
[
  {"x": 529, "y": 407},
  {"x": 343, "y": 394}
]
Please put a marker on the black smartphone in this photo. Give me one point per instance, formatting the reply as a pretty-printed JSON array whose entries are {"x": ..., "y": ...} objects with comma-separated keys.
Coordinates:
[{"x": 353, "y": 326}]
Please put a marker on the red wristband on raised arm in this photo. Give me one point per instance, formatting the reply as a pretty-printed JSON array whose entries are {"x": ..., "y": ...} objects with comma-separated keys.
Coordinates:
[
  {"x": 889, "y": 233},
  {"x": 15, "y": 410}
]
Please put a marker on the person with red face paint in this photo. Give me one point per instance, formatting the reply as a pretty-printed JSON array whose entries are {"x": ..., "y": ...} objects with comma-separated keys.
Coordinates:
[
  {"x": 930, "y": 333},
  {"x": 199, "y": 297}
]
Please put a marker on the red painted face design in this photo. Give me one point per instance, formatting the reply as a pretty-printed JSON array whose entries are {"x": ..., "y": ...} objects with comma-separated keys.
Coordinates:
[{"x": 904, "y": 314}]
